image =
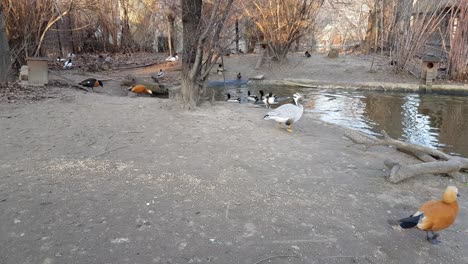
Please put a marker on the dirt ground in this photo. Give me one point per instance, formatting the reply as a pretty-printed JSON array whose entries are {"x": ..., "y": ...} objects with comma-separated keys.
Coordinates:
[
  {"x": 345, "y": 68},
  {"x": 93, "y": 178}
]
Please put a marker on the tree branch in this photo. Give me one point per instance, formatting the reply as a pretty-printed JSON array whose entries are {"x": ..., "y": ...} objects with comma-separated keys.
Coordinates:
[{"x": 450, "y": 165}]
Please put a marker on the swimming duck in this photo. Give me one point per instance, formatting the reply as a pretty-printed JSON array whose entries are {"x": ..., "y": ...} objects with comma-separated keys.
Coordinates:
[
  {"x": 252, "y": 97},
  {"x": 232, "y": 100},
  {"x": 140, "y": 89},
  {"x": 435, "y": 215},
  {"x": 287, "y": 113},
  {"x": 307, "y": 54},
  {"x": 173, "y": 58},
  {"x": 270, "y": 99},
  {"x": 91, "y": 83},
  {"x": 68, "y": 64}
]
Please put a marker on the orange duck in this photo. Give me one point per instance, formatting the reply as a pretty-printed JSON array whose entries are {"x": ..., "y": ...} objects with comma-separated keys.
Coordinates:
[
  {"x": 140, "y": 89},
  {"x": 435, "y": 215}
]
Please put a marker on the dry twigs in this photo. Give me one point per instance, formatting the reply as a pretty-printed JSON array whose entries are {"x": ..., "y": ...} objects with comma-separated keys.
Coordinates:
[
  {"x": 458, "y": 55},
  {"x": 282, "y": 22},
  {"x": 416, "y": 23},
  {"x": 434, "y": 161}
]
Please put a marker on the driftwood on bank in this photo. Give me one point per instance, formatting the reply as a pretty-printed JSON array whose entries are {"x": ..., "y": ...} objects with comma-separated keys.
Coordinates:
[{"x": 434, "y": 161}]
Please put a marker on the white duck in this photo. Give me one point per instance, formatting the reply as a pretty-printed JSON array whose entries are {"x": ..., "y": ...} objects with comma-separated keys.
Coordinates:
[
  {"x": 232, "y": 100},
  {"x": 68, "y": 64},
  {"x": 270, "y": 99},
  {"x": 173, "y": 58},
  {"x": 255, "y": 98},
  {"x": 160, "y": 73},
  {"x": 287, "y": 113}
]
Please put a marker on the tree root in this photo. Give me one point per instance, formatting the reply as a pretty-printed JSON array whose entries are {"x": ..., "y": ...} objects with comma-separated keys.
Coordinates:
[{"x": 434, "y": 161}]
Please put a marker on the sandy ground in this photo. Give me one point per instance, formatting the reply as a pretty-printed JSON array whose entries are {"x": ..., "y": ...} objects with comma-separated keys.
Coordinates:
[
  {"x": 93, "y": 178},
  {"x": 110, "y": 178},
  {"x": 345, "y": 68}
]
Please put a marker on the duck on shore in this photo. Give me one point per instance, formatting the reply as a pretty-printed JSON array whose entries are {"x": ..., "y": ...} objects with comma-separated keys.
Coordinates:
[
  {"x": 232, "y": 100},
  {"x": 434, "y": 215},
  {"x": 287, "y": 114},
  {"x": 91, "y": 83},
  {"x": 140, "y": 89}
]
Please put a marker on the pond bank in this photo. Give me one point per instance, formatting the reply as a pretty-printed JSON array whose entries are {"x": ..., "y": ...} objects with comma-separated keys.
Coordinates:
[{"x": 378, "y": 86}]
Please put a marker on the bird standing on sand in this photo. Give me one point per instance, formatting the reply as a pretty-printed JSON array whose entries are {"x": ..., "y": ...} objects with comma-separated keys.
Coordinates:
[
  {"x": 220, "y": 69},
  {"x": 140, "y": 89},
  {"x": 173, "y": 58},
  {"x": 435, "y": 215},
  {"x": 307, "y": 54},
  {"x": 232, "y": 100},
  {"x": 287, "y": 113},
  {"x": 68, "y": 64},
  {"x": 239, "y": 76},
  {"x": 91, "y": 83},
  {"x": 160, "y": 74}
]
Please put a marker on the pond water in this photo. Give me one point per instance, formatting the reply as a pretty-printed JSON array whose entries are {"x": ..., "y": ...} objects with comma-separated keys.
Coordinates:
[{"x": 433, "y": 120}]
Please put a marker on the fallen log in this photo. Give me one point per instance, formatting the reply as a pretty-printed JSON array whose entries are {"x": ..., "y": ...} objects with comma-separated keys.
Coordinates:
[{"x": 434, "y": 161}]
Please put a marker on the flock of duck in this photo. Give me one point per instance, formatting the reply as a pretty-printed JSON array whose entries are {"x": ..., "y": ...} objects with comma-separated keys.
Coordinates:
[{"x": 285, "y": 113}]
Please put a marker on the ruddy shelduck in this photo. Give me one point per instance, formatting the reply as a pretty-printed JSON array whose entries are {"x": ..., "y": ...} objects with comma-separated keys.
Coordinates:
[
  {"x": 140, "y": 89},
  {"x": 435, "y": 215}
]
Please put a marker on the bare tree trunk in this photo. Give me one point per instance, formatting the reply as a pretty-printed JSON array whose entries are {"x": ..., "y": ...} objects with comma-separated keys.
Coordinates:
[
  {"x": 191, "y": 15},
  {"x": 5, "y": 61},
  {"x": 70, "y": 27},
  {"x": 263, "y": 56},
  {"x": 59, "y": 40},
  {"x": 200, "y": 45},
  {"x": 170, "y": 30},
  {"x": 370, "y": 25},
  {"x": 381, "y": 27},
  {"x": 435, "y": 161},
  {"x": 126, "y": 41},
  {"x": 237, "y": 34}
]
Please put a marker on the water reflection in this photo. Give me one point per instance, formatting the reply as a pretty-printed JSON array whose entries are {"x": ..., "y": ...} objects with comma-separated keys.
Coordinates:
[
  {"x": 437, "y": 121},
  {"x": 417, "y": 127},
  {"x": 345, "y": 109}
]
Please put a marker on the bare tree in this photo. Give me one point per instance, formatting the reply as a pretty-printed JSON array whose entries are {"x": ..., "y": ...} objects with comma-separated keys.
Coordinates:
[
  {"x": 415, "y": 24},
  {"x": 282, "y": 22},
  {"x": 4, "y": 51},
  {"x": 27, "y": 23},
  {"x": 348, "y": 17},
  {"x": 201, "y": 47},
  {"x": 458, "y": 55},
  {"x": 126, "y": 37}
]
